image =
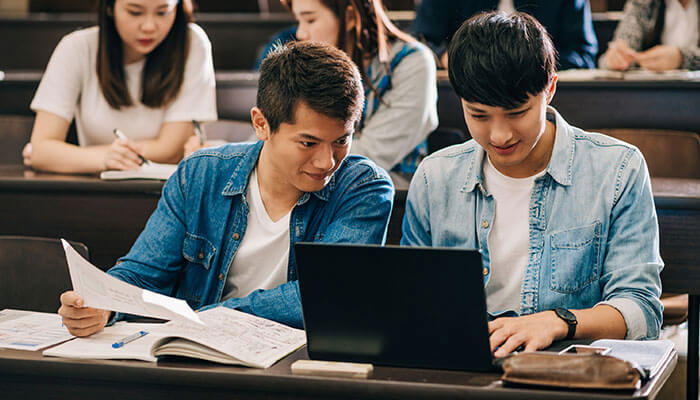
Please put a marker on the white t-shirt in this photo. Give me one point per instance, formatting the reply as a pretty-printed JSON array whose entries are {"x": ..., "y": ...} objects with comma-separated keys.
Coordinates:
[
  {"x": 508, "y": 241},
  {"x": 680, "y": 24},
  {"x": 263, "y": 255},
  {"x": 70, "y": 88}
]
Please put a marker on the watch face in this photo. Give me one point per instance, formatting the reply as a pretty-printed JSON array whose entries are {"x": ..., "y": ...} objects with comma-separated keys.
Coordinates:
[{"x": 566, "y": 315}]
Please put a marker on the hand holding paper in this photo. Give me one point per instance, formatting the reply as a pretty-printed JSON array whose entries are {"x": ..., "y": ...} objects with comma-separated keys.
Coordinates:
[{"x": 102, "y": 291}]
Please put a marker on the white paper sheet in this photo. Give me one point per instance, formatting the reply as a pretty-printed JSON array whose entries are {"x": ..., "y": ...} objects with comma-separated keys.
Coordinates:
[
  {"x": 28, "y": 330},
  {"x": 256, "y": 340},
  {"x": 100, "y": 290},
  {"x": 146, "y": 171}
]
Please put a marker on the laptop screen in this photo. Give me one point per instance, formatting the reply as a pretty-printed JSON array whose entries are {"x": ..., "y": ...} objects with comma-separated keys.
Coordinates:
[{"x": 391, "y": 305}]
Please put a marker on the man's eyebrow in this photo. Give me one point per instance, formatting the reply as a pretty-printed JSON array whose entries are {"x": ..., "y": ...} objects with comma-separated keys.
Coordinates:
[
  {"x": 475, "y": 109},
  {"x": 518, "y": 110},
  {"x": 307, "y": 137}
]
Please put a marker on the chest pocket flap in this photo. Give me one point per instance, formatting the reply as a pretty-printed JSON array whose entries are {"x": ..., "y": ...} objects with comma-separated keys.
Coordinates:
[{"x": 198, "y": 250}]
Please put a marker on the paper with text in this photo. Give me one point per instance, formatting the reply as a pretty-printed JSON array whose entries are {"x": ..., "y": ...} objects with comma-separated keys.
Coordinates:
[
  {"x": 100, "y": 290},
  {"x": 28, "y": 330},
  {"x": 257, "y": 341}
]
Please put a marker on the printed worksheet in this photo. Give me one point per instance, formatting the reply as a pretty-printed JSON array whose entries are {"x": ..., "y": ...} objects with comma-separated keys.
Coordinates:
[
  {"x": 100, "y": 290},
  {"x": 28, "y": 330},
  {"x": 256, "y": 340}
]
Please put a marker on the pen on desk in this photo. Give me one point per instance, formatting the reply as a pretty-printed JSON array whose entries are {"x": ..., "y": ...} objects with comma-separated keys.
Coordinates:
[
  {"x": 129, "y": 339},
  {"x": 199, "y": 132},
  {"x": 120, "y": 135}
]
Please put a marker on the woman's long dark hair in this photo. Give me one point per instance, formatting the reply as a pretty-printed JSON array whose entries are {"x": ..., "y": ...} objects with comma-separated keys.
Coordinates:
[
  {"x": 373, "y": 30},
  {"x": 164, "y": 68}
]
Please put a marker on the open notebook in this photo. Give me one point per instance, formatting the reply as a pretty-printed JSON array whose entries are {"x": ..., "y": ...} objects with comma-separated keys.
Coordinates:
[
  {"x": 228, "y": 337},
  {"x": 146, "y": 171}
]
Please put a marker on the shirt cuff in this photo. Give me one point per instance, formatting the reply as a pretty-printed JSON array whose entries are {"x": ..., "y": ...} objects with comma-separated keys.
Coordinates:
[{"x": 633, "y": 316}]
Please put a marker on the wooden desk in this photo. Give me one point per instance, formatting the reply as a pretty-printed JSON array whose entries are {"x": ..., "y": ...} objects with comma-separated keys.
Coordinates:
[
  {"x": 106, "y": 216},
  {"x": 605, "y": 104},
  {"x": 588, "y": 105},
  {"x": 29, "y": 375},
  {"x": 236, "y": 37},
  {"x": 678, "y": 209}
]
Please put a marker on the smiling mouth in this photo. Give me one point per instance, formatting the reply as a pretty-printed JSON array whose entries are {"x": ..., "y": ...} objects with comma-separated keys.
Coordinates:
[
  {"x": 505, "y": 149},
  {"x": 319, "y": 177}
]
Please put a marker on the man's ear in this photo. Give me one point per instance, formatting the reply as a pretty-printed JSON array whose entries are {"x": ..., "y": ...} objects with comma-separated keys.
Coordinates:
[
  {"x": 260, "y": 124},
  {"x": 552, "y": 88}
]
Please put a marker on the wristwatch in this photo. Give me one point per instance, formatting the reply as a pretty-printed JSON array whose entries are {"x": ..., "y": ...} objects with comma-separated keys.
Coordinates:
[{"x": 570, "y": 320}]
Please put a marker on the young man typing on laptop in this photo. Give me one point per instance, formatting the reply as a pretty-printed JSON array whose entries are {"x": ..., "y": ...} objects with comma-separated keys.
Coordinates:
[
  {"x": 564, "y": 219},
  {"x": 227, "y": 219}
]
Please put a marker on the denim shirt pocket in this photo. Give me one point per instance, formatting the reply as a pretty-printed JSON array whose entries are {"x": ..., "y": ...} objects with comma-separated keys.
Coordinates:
[
  {"x": 575, "y": 258},
  {"x": 198, "y": 250},
  {"x": 199, "y": 253}
]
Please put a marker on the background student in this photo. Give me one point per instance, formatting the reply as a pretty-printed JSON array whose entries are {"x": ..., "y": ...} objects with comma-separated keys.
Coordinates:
[
  {"x": 564, "y": 219},
  {"x": 226, "y": 224},
  {"x": 568, "y": 21},
  {"x": 398, "y": 73},
  {"x": 145, "y": 70},
  {"x": 658, "y": 35}
]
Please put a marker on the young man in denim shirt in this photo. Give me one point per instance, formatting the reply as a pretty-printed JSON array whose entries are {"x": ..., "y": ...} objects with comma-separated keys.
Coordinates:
[
  {"x": 564, "y": 219},
  {"x": 224, "y": 229}
]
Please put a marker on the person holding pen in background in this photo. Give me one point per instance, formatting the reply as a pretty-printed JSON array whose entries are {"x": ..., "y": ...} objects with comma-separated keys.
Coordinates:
[
  {"x": 225, "y": 227},
  {"x": 145, "y": 70},
  {"x": 657, "y": 35},
  {"x": 399, "y": 76}
]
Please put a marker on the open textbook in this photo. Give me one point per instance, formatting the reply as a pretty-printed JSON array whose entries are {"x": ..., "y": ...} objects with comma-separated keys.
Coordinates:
[
  {"x": 574, "y": 75},
  {"x": 228, "y": 337},
  {"x": 146, "y": 171}
]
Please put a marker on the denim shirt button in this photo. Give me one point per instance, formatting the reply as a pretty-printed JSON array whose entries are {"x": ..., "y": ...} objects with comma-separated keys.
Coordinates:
[
  {"x": 486, "y": 271},
  {"x": 221, "y": 277},
  {"x": 200, "y": 255},
  {"x": 236, "y": 236},
  {"x": 484, "y": 224}
]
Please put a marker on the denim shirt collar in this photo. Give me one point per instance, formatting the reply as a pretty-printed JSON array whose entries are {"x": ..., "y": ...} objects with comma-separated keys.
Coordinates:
[
  {"x": 560, "y": 164},
  {"x": 238, "y": 183}
]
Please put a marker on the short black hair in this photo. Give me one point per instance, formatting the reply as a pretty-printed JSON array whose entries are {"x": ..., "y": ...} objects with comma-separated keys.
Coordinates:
[
  {"x": 498, "y": 59},
  {"x": 321, "y": 76}
]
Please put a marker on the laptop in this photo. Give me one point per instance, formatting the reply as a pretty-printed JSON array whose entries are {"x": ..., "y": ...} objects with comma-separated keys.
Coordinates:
[{"x": 412, "y": 307}]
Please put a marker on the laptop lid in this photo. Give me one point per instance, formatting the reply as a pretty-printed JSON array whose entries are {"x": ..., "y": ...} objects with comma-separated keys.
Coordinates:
[{"x": 401, "y": 306}]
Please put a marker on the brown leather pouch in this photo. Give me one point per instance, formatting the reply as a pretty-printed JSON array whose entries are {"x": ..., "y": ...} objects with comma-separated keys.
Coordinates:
[{"x": 582, "y": 371}]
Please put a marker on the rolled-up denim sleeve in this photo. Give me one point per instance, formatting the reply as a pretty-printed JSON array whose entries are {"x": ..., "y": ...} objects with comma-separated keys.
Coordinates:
[
  {"x": 362, "y": 216},
  {"x": 631, "y": 280}
]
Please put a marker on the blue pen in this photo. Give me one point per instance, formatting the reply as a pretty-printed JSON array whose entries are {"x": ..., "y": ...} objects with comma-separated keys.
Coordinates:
[{"x": 129, "y": 339}]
